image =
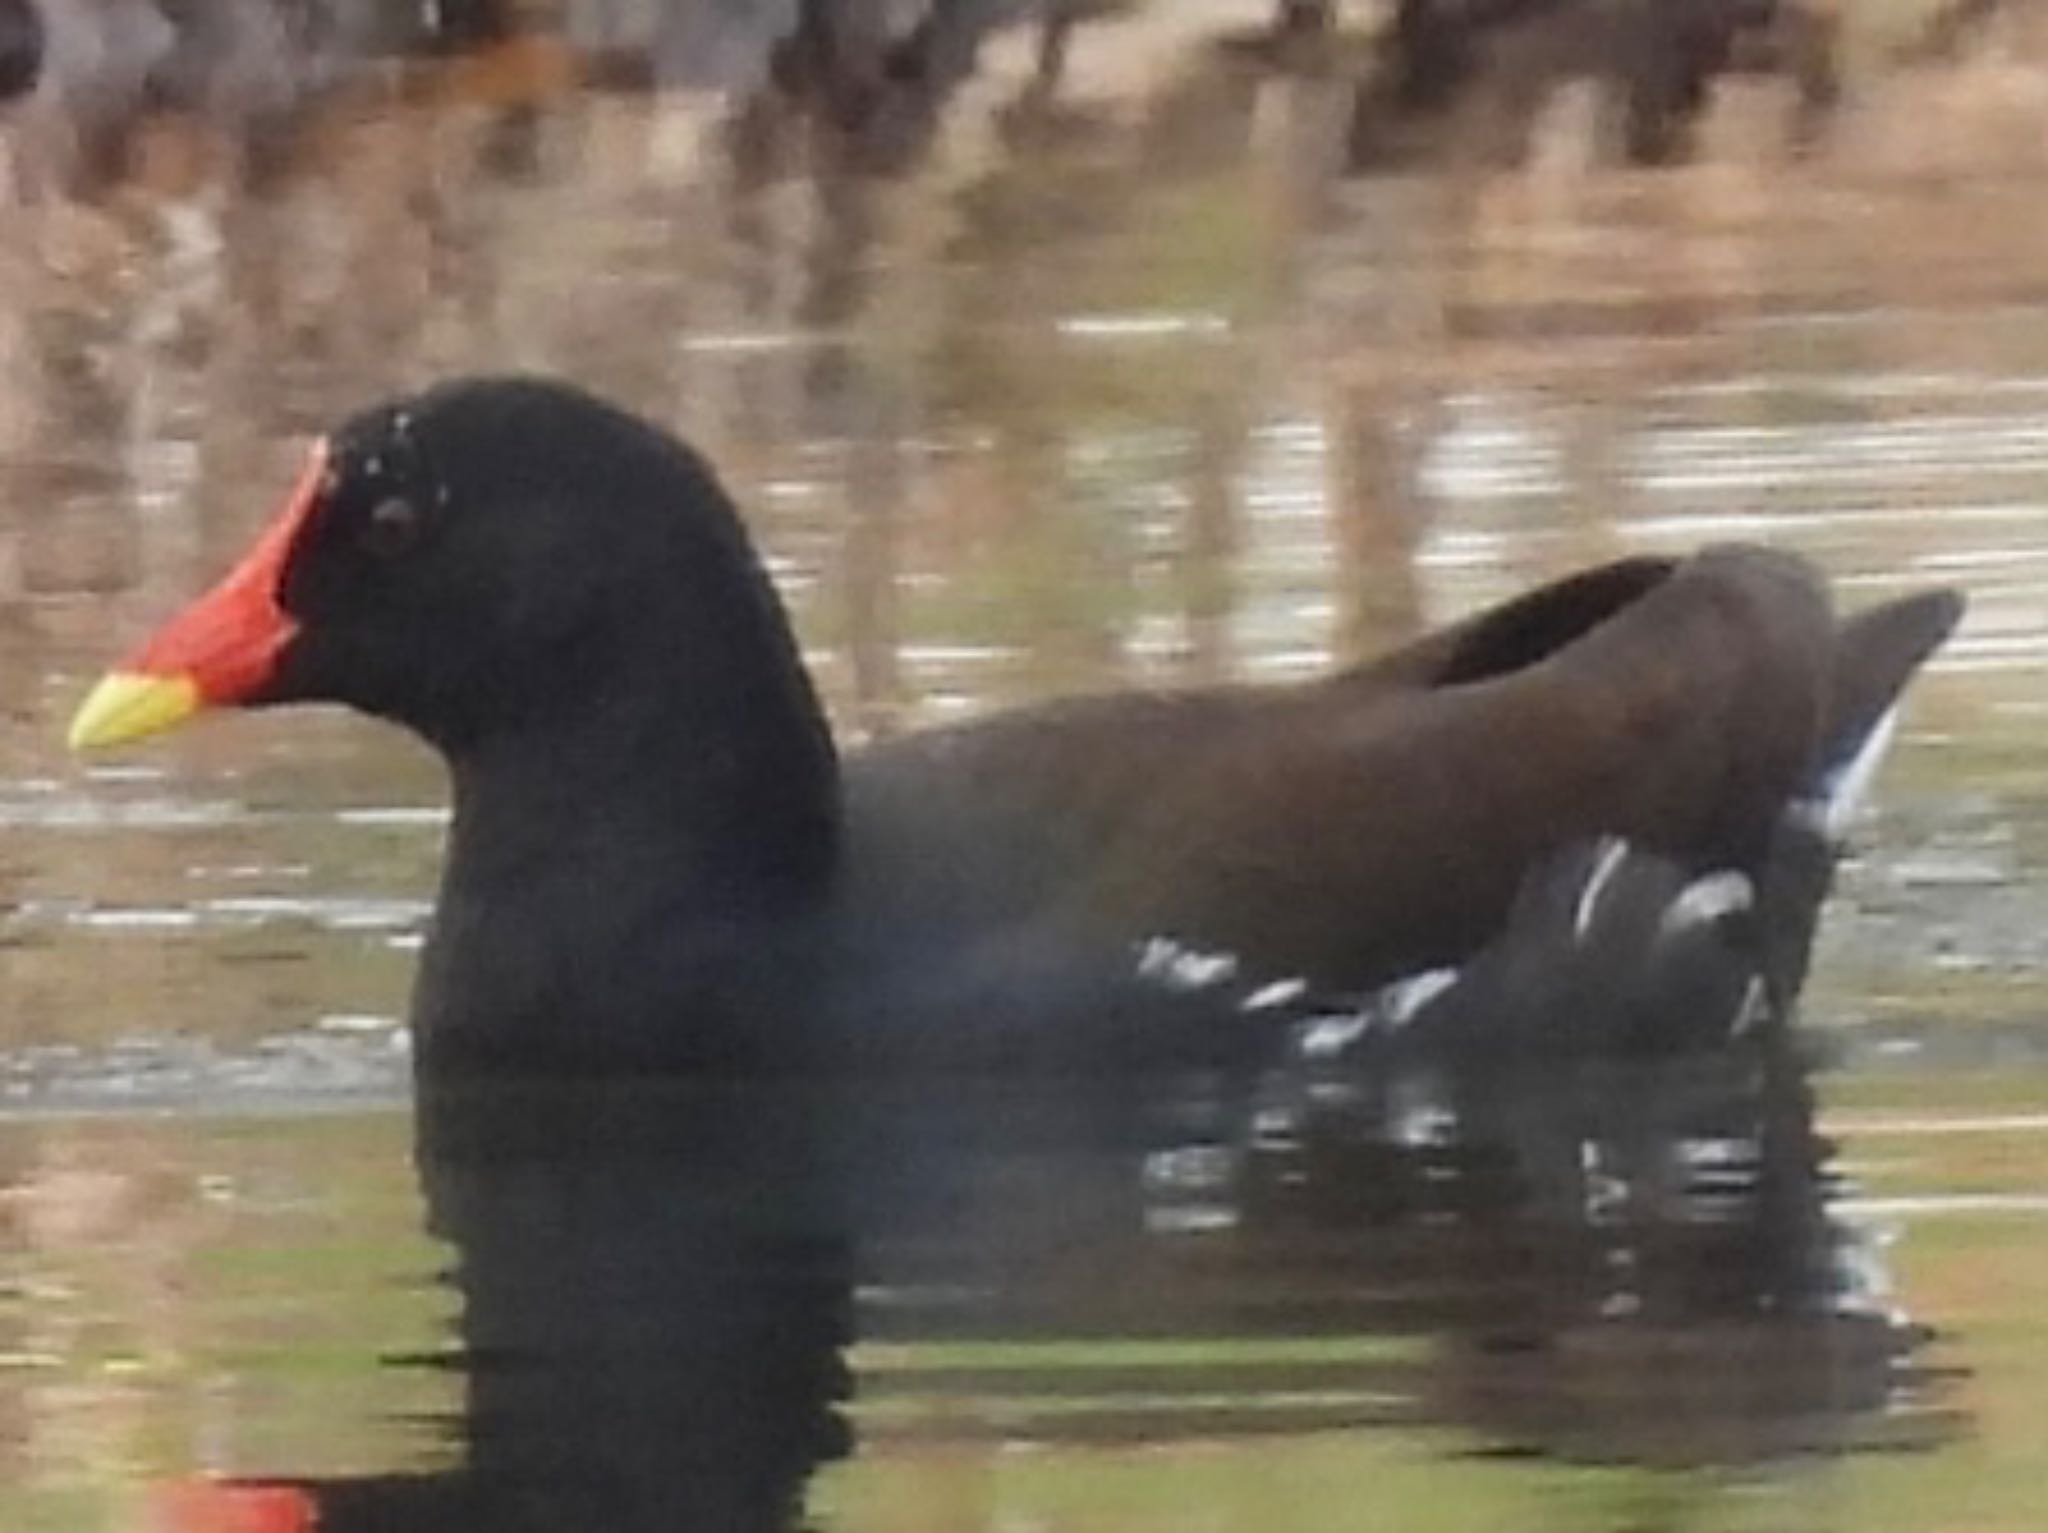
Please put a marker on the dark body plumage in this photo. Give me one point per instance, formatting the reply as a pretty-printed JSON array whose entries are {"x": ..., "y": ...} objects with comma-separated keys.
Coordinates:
[{"x": 659, "y": 861}]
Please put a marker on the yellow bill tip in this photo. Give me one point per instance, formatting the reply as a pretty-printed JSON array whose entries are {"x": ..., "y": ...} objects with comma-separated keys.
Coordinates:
[{"x": 127, "y": 705}]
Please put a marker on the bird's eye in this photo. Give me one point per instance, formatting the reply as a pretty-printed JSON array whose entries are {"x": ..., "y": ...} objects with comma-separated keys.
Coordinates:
[{"x": 391, "y": 528}]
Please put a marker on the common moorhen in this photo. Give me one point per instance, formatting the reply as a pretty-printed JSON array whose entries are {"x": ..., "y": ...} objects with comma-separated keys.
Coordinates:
[{"x": 659, "y": 861}]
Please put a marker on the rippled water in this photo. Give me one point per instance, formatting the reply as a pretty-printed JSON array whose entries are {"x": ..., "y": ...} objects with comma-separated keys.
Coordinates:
[{"x": 1041, "y": 361}]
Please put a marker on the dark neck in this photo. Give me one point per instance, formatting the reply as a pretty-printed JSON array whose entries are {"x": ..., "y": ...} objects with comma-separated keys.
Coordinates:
[
  {"x": 615, "y": 870},
  {"x": 683, "y": 735},
  {"x": 739, "y": 810}
]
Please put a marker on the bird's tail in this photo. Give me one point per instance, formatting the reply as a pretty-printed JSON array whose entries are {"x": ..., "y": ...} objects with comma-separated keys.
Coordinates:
[{"x": 1877, "y": 653}]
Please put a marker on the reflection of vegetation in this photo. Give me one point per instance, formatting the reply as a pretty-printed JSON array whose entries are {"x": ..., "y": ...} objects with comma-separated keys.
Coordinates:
[
  {"x": 1148, "y": 1351},
  {"x": 1302, "y": 1485},
  {"x": 239, "y": 1277},
  {"x": 1047, "y": 245},
  {"x": 1049, "y": 586}
]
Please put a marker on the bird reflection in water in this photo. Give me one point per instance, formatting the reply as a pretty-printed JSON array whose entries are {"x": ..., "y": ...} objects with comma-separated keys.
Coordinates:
[{"x": 1618, "y": 1248}]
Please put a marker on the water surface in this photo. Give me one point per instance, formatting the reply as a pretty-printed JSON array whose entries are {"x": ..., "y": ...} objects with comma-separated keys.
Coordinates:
[{"x": 1042, "y": 359}]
